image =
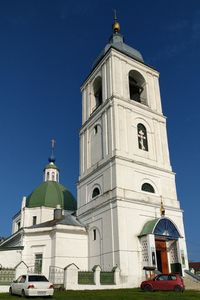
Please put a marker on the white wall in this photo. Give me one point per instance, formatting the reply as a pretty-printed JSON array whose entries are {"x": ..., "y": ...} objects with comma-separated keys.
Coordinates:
[
  {"x": 71, "y": 247},
  {"x": 42, "y": 213},
  {"x": 60, "y": 245},
  {"x": 10, "y": 258}
]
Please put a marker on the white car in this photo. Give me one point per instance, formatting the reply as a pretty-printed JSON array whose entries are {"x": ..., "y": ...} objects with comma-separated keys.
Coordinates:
[{"x": 31, "y": 285}]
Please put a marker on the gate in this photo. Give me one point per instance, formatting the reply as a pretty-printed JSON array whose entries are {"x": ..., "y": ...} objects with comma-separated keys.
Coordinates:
[
  {"x": 56, "y": 275},
  {"x": 7, "y": 275}
]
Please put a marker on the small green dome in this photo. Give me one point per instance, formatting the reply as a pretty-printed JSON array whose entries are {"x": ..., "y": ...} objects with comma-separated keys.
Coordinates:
[
  {"x": 51, "y": 194},
  {"x": 51, "y": 166}
]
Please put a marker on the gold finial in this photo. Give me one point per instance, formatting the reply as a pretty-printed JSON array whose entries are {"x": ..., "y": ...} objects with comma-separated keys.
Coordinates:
[
  {"x": 162, "y": 209},
  {"x": 116, "y": 25}
]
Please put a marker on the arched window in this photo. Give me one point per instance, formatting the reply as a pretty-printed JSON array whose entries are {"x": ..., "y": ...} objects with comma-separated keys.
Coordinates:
[
  {"x": 95, "y": 192},
  {"x": 97, "y": 87},
  {"x": 96, "y": 144},
  {"x": 166, "y": 228},
  {"x": 148, "y": 188},
  {"x": 53, "y": 176},
  {"x": 95, "y": 129},
  {"x": 18, "y": 225},
  {"x": 137, "y": 87},
  {"x": 94, "y": 234},
  {"x": 47, "y": 175},
  {"x": 142, "y": 137}
]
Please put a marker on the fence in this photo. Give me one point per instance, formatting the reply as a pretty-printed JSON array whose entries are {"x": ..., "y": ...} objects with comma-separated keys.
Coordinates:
[
  {"x": 56, "y": 275},
  {"x": 107, "y": 277},
  {"x": 79, "y": 280},
  {"x": 85, "y": 277},
  {"x": 7, "y": 275}
]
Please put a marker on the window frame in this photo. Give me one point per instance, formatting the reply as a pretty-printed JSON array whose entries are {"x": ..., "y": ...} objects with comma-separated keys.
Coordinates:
[
  {"x": 98, "y": 91},
  {"x": 142, "y": 145},
  {"x": 94, "y": 234},
  {"x": 149, "y": 185},
  {"x": 34, "y": 220},
  {"x": 38, "y": 263},
  {"x": 137, "y": 82},
  {"x": 96, "y": 195}
]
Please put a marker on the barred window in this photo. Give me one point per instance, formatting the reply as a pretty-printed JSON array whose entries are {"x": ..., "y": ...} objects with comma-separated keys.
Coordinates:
[{"x": 142, "y": 137}]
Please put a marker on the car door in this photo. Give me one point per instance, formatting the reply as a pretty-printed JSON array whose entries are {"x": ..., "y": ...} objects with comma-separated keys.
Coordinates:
[
  {"x": 161, "y": 282},
  {"x": 15, "y": 285},
  {"x": 20, "y": 284},
  {"x": 172, "y": 282}
]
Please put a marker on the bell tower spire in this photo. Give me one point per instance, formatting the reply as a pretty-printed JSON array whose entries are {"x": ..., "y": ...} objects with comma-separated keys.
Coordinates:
[
  {"x": 51, "y": 171},
  {"x": 116, "y": 25},
  {"x": 52, "y": 157}
]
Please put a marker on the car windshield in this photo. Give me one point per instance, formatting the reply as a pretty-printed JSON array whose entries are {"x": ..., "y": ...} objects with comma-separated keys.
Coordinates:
[
  {"x": 37, "y": 278},
  {"x": 163, "y": 277}
]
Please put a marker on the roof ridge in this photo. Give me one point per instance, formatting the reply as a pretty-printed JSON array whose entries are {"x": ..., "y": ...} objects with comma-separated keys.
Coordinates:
[{"x": 60, "y": 194}]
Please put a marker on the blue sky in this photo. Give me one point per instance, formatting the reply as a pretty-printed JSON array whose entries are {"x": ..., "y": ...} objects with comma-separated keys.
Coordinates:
[{"x": 47, "y": 50}]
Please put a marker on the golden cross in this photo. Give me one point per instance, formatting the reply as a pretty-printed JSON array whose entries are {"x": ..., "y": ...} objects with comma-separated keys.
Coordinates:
[
  {"x": 53, "y": 142},
  {"x": 115, "y": 14}
]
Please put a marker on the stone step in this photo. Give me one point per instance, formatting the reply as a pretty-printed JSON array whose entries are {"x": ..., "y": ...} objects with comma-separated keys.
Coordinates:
[{"x": 191, "y": 283}]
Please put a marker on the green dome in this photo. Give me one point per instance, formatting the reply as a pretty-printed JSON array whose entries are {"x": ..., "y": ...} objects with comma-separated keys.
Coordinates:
[
  {"x": 51, "y": 194},
  {"x": 51, "y": 166}
]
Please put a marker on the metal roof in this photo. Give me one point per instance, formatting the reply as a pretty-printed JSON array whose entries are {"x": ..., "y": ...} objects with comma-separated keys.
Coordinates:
[
  {"x": 51, "y": 194},
  {"x": 117, "y": 41},
  {"x": 148, "y": 227},
  {"x": 161, "y": 227},
  {"x": 67, "y": 219}
]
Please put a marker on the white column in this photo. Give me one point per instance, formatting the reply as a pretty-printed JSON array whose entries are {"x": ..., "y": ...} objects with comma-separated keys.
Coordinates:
[
  {"x": 97, "y": 271},
  {"x": 71, "y": 277},
  {"x": 151, "y": 249}
]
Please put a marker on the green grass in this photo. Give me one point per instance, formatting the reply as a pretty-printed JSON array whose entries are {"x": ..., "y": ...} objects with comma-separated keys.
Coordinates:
[{"x": 123, "y": 294}]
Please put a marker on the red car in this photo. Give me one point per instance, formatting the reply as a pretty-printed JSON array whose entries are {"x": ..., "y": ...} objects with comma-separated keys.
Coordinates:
[{"x": 164, "y": 282}]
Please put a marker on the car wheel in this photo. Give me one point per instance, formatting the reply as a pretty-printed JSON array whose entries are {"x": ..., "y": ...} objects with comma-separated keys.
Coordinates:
[
  {"x": 178, "y": 288},
  {"x": 10, "y": 291},
  {"x": 23, "y": 293},
  {"x": 148, "y": 288}
]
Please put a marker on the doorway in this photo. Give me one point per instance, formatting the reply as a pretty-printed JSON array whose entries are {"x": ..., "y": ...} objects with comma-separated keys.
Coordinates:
[{"x": 161, "y": 255}]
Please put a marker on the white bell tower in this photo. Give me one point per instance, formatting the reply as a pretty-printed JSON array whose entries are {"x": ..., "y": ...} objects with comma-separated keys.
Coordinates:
[{"x": 125, "y": 169}]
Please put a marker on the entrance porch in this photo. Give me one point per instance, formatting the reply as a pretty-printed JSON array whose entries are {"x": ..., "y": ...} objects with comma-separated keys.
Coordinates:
[{"x": 162, "y": 248}]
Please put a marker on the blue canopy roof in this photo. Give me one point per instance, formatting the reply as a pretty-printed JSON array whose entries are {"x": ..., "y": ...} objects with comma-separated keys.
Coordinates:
[{"x": 161, "y": 227}]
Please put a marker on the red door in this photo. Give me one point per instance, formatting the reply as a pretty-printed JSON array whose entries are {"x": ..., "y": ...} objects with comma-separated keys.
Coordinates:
[{"x": 161, "y": 250}]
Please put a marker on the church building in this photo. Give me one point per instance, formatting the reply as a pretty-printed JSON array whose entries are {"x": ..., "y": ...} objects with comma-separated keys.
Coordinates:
[{"x": 127, "y": 213}]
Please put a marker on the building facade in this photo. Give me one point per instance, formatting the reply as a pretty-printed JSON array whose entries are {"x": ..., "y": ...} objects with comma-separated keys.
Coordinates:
[
  {"x": 126, "y": 192},
  {"x": 128, "y": 214},
  {"x": 45, "y": 232}
]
